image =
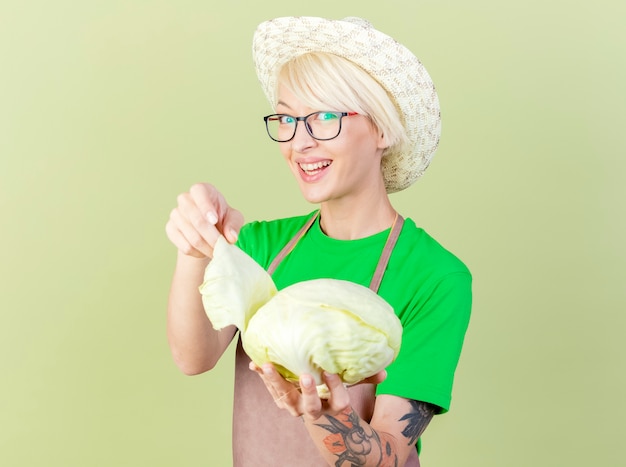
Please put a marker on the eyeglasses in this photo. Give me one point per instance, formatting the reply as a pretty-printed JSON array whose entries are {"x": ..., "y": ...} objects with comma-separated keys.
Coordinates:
[{"x": 322, "y": 125}]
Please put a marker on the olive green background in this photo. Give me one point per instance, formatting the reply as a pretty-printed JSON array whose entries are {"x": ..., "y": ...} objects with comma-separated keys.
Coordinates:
[{"x": 109, "y": 109}]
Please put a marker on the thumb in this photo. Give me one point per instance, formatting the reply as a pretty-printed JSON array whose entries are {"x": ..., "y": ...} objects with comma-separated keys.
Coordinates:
[{"x": 231, "y": 224}]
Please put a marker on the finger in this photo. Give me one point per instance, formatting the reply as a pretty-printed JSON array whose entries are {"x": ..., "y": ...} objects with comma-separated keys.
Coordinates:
[
  {"x": 192, "y": 218},
  {"x": 231, "y": 224},
  {"x": 275, "y": 382},
  {"x": 180, "y": 242},
  {"x": 311, "y": 402},
  {"x": 214, "y": 209},
  {"x": 253, "y": 366},
  {"x": 286, "y": 395},
  {"x": 375, "y": 379},
  {"x": 265, "y": 375},
  {"x": 187, "y": 237},
  {"x": 209, "y": 201},
  {"x": 339, "y": 398}
]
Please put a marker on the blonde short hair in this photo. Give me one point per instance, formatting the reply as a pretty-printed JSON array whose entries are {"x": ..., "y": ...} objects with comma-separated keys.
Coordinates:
[{"x": 329, "y": 82}]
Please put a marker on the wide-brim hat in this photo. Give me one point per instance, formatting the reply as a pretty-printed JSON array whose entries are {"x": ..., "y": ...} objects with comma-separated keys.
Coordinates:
[{"x": 394, "y": 66}]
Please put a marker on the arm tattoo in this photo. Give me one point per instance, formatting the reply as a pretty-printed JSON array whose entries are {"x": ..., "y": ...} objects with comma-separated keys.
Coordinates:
[
  {"x": 418, "y": 418},
  {"x": 352, "y": 443}
]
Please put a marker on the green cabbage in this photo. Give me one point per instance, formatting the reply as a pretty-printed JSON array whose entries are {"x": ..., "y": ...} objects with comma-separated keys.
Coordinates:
[{"x": 311, "y": 326}]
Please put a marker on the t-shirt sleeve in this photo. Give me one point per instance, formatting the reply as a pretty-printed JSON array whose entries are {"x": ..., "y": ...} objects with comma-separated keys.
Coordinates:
[
  {"x": 254, "y": 238},
  {"x": 432, "y": 338},
  {"x": 262, "y": 240}
]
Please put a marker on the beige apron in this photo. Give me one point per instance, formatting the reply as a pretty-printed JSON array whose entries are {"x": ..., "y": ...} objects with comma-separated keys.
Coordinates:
[{"x": 256, "y": 416}]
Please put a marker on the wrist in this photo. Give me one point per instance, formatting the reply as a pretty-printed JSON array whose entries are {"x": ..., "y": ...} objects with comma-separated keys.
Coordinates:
[{"x": 190, "y": 265}]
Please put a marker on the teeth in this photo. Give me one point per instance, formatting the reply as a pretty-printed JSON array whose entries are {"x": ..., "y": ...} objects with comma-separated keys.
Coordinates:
[{"x": 315, "y": 166}]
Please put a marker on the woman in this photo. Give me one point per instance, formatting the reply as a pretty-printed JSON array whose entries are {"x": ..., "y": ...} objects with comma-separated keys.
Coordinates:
[{"x": 356, "y": 117}]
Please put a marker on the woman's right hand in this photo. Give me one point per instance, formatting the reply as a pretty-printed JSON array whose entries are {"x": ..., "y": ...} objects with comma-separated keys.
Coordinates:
[{"x": 201, "y": 216}]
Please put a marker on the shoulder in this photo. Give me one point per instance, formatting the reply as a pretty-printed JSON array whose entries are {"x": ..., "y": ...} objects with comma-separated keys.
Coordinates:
[
  {"x": 423, "y": 277},
  {"x": 417, "y": 246}
]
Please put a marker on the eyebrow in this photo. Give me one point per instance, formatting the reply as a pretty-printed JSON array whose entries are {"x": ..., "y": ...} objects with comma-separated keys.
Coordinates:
[{"x": 283, "y": 103}]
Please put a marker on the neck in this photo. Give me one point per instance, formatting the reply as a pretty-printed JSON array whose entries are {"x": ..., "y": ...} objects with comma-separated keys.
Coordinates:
[{"x": 347, "y": 222}]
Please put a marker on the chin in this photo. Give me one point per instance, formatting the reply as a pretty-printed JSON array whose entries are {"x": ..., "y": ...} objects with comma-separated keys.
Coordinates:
[
  {"x": 314, "y": 199},
  {"x": 313, "y": 196}
]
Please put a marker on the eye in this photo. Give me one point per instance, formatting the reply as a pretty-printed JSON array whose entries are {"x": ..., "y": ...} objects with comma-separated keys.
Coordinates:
[
  {"x": 286, "y": 119},
  {"x": 327, "y": 116}
]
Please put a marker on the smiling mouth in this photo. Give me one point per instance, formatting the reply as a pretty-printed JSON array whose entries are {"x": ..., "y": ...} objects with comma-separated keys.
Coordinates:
[{"x": 312, "y": 169}]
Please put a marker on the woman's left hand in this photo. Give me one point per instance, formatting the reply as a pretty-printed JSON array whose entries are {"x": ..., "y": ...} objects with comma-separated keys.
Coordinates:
[{"x": 304, "y": 400}]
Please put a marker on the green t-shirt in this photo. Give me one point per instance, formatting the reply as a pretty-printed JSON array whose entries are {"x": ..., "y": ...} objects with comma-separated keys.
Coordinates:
[{"x": 428, "y": 287}]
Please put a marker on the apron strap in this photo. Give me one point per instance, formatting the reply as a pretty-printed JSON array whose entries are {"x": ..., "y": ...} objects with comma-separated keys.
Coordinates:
[
  {"x": 396, "y": 228},
  {"x": 287, "y": 249}
]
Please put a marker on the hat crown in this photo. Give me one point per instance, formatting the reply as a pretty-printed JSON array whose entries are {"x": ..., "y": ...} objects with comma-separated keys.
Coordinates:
[{"x": 357, "y": 21}]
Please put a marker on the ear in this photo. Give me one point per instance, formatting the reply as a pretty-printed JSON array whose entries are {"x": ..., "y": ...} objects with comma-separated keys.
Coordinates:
[{"x": 382, "y": 141}]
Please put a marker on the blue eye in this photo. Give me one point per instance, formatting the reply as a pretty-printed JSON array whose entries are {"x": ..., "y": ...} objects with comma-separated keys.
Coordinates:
[
  {"x": 287, "y": 120},
  {"x": 327, "y": 116}
]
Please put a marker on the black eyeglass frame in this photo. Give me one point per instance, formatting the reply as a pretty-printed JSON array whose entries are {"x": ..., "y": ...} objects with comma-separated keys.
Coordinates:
[{"x": 303, "y": 119}]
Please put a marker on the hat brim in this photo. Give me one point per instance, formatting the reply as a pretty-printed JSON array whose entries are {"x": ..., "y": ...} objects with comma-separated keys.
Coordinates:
[{"x": 394, "y": 66}]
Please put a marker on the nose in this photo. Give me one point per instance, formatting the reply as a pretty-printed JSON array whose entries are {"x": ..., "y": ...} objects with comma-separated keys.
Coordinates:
[{"x": 302, "y": 140}]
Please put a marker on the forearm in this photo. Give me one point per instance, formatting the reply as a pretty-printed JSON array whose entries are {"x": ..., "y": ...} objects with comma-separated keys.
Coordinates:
[
  {"x": 389, "y": 439},
  {"x": 341, "y": 436},
  {"x": 346, "y": 439},
  {"x": 196, "y": 346}
]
